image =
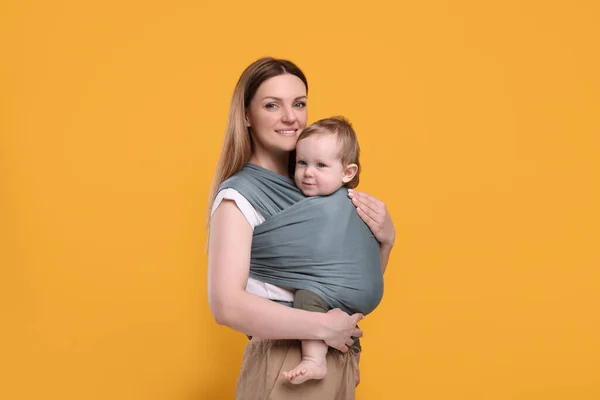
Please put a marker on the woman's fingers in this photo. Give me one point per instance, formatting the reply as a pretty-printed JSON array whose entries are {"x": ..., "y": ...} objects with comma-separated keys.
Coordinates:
[
  {"x": 343, "y": 327},
  {"x": 372, "y": 208},
  {"x": 371, "y": 212},
  {"x": 356, "y": 332},
  {"x": 370, "y": 203},
  {"x": 358, "y": 317},
  {"x": 373, "y": 225},
  {"x": 375, "y": 215}
]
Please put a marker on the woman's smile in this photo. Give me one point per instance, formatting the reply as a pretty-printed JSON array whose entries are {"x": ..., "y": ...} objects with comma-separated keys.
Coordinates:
[{"x": 287, "y": 132}]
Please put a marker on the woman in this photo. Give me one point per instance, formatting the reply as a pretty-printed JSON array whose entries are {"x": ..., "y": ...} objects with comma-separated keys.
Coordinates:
[{"x": 267, "y": 113}]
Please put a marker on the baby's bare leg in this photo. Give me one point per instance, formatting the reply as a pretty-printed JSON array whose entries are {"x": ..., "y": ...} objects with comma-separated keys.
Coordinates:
[
  {"x": 314, "y": 352},
  {"x": 313, "y": 364}
]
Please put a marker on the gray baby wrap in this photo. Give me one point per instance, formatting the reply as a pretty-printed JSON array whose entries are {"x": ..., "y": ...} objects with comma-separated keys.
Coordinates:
[{"x": 314, "y": 243}]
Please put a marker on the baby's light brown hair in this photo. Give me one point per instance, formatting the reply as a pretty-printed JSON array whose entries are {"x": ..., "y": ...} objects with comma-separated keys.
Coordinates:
[{"x": 346, "y": 137}]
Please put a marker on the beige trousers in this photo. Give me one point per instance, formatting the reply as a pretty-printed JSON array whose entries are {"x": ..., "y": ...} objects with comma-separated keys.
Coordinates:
[{"x": 264, "y": 360}]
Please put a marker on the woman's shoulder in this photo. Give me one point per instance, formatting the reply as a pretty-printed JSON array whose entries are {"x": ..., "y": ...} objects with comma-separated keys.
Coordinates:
[
  {"x": 256, "y": 178},
  {"x": 239, "y": 178},
  {"x": 253, "y": 217}
]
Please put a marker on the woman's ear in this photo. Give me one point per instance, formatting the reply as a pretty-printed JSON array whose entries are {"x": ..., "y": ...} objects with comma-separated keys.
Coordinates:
[
  {"x": 349, "y": 172},
  {"x": 246, "y": 119}
]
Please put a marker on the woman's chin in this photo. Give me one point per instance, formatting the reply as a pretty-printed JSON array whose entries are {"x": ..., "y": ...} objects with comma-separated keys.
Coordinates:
[{"x": 288, "y": 145}]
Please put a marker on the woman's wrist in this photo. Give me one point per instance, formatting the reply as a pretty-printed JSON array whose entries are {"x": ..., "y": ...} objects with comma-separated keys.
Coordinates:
[
  {"x": 321, "y": 325},
  {"x": 386, "y": 246}
]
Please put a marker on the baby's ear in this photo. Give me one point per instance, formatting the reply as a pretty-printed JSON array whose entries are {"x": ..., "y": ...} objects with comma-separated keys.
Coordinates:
[{"x": 349, "y": 172}]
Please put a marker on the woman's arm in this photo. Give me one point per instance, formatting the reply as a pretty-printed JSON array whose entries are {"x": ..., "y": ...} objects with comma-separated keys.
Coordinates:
[
  {"x": 228, "y": 268},
  {"x": 376, "y": 216},
  {"x": 385, "y": 251}
]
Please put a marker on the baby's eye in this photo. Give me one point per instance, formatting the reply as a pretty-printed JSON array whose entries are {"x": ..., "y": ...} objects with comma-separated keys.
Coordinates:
[
  {"x": 301, "y": 162},
  {"x": 321, "y": 165}
]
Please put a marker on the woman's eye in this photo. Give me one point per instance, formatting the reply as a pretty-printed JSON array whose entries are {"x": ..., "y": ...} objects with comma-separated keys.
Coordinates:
[
  {"x": 270, "y": 105},
  {"x": 321, "y": 165},
  {"x": 300, "y": 104}
]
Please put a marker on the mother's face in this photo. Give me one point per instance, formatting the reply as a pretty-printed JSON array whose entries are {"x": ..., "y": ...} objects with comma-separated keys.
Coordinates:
[{"x": 277, "y": 113}]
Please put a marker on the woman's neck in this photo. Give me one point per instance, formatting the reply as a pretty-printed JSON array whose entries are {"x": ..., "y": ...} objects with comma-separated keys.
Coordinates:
[{"x": 276, "y": 163}]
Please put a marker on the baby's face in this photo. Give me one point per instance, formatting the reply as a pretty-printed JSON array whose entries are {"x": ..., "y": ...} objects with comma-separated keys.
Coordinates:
[{"x": 319, "y": 171}]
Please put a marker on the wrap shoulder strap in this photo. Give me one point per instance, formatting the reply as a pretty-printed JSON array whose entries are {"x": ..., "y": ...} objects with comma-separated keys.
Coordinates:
[{"x": 268, "y": 192}]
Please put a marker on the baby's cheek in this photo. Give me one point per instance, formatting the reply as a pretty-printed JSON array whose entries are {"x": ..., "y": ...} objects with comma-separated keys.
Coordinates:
[{"x": 297, "y": 179}]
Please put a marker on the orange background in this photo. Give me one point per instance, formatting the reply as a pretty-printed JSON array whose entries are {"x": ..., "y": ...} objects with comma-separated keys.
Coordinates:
[{"x": 479, "y": 124}]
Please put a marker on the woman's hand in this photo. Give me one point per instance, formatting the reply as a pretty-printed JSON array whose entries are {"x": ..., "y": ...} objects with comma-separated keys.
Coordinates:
[
  {"x": 376, "y": 216},
  {"x": 342, "y": 329}
]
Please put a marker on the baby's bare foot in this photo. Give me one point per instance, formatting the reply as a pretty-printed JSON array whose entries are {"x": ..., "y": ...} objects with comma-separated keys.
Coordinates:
[{"x": 309, "y": 368}]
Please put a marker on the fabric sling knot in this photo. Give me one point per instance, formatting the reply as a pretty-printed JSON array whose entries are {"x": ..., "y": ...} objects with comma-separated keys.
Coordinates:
[{"x": 314, "y": 243}]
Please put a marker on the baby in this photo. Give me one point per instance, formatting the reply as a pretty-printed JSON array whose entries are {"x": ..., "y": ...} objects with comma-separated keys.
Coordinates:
[{"x": 326, "y": 159}]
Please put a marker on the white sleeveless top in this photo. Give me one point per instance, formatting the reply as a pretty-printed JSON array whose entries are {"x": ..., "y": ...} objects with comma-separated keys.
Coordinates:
[{"x": 254, "y": 218}]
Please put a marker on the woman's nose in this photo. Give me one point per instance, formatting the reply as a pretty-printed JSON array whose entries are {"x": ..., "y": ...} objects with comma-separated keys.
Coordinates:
[{"x": 289, "y": 115}]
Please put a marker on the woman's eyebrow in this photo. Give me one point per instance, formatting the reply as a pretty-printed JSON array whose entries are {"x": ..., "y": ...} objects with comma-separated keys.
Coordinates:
[{"x": 280, "y": 99}]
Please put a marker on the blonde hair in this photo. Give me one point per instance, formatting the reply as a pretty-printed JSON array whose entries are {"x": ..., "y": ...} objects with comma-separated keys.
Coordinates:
[
  {"x": 349, "y": 148},
  {"x": 237, "y": 144}
]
